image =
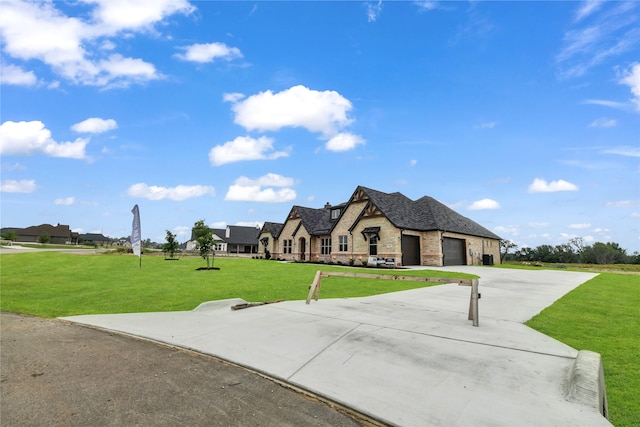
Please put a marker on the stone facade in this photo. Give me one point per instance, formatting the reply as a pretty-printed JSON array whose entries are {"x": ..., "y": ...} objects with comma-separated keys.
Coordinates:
[{"x": 368, "y": 226}]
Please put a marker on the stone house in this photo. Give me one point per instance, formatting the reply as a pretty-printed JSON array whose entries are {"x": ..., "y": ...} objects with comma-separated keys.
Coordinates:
[{"x": 373, "y": 227}]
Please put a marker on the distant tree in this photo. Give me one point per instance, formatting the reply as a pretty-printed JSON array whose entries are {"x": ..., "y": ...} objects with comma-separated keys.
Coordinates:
[
  {"x": 10, "y": 235},
  {"x": 564, "y": 253},
  {"x": 605, "y": 253},
  {"x": 205, "y": 242},
  {"x": 505, "y": 246},
  {"x": 577, "y": 243},
  {"x": 171, "y": 247},
  {"x": 44, "y": 239},
  {"x": 545, "y": 253}
]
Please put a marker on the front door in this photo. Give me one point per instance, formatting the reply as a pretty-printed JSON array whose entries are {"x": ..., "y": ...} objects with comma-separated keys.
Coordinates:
[{"x": 302, "y": 244}]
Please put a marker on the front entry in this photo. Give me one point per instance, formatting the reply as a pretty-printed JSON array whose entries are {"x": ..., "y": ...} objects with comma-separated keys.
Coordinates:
[
  {"x": 302, "y": 244},
  {"x": 410, "y": 250}
]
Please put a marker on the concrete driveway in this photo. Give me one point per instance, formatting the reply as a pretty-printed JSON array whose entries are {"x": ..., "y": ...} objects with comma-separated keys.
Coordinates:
[{"x": 406, "y": 358}]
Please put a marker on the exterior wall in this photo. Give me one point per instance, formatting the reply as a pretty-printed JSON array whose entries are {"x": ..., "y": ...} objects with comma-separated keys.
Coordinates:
[
  {"x": 476, "y": 247},
  {"x": 272, "y": 245},
  {"x": 349, "y": 216},
  {"x": 287, "y": 234},
  {"x": 430, "y": 248},
  {"x": 389, "y": 244}
]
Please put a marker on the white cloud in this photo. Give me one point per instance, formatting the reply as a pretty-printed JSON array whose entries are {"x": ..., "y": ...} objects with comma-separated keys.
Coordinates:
[
  {"x": 579, "y": 226},
  {"x": 95, "y": 125},
  {"x": 609, "y": 32},
  {"x": 298, "y": 106},
  {"x": 114, "y": 16},
  {"x": 541, "y": 186},
  {"x": 588, "y": 7},
  {"x": 425, "y": 5},
  {"x": 621, "y": 204},
  {"x": 208, "y": 52},
  {"x": 232, "y": 97},
  {"x": 483, "y": 205},
  {"x": 373, "y": 10},
  {"x": 13, "y": 75},
  {"x": 26, "y": 138},
  {"x": 251, "y": 190},
  {"x": 627, "y": 151},
  {"x": 344, "y": 141},
  {"x": 603, "y": 123},
  {"x": 178, "y": 193},
  {"x": 507, "y": 229},
  {"x": 631, "y": 78},
  {"x": 67, "y": 201},
  {"x": 413, "y": 162},
  {"x": 21, "y": 186},
  {"x": 182, "y": 231},
  {"x": 74, "y": 47},
  {"x": 244, "y": 148},
  {"x": 270, "y": 179},
  {"x": 486, "y": 125},
  {"x": 539, "y": 225},
  {"x": 609, "y": 104}
]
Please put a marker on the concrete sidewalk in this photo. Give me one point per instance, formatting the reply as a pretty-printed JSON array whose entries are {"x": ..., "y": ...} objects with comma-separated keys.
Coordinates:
[{"x": 406, "y": 358}]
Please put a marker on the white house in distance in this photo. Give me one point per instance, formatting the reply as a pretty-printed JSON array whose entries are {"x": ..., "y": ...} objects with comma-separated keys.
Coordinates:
[{"x": 232, "y": 240}]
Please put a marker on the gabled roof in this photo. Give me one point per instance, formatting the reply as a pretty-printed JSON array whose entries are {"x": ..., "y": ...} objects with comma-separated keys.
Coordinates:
[
  {"x": 424, "y": 214},
  {"x": 48, "y": 229},
  {"x": 240, "y": 235},
  {"x": 94, "y": 237},
  {"x": 273, "y": 228},
  {"x": 317, "y": 222}
]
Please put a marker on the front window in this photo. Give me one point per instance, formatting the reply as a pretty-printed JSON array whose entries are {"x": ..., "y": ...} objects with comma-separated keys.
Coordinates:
[
  {"x": 343, "y": 243},
  {"x": 325, "y": 246},
  {"x": 335, "y": 213},
  {"x": 373, "y": 244},
  {"x": 286, "y": 246}
]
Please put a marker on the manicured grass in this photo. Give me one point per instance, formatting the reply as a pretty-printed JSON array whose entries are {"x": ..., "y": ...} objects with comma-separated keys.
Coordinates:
[
  {"x": 50, "y": 284},
  {"x": 603, "y": 315}
]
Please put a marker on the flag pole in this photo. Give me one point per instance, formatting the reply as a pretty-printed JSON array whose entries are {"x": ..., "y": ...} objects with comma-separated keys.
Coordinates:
[{"x": 136, "y": 235}]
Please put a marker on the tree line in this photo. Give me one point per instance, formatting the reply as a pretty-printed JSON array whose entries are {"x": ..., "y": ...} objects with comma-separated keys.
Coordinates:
[{"x": 574, "y": 251}]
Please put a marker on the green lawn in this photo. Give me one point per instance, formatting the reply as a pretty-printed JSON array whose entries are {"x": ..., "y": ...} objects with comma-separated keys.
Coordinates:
[
  {"x": 57, "y": 284},
  {"x": 603, "y": 315}
]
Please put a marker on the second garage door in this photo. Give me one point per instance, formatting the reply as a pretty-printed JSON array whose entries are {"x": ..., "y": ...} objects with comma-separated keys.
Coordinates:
[{"x": 454, "y": 251}]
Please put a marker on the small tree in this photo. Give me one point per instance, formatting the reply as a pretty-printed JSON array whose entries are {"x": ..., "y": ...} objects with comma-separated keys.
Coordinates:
[
  {"x": 505, "y": 245},
  {"x": 44, "y": 239},
  {"x": 171, "y": 247},
  {"x": 204, "y": 240}
]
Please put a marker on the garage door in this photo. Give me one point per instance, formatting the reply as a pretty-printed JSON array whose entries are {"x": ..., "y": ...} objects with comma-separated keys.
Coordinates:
[
  {"x": 454, "y": 251},
  {"x": 410, "y": 250}
]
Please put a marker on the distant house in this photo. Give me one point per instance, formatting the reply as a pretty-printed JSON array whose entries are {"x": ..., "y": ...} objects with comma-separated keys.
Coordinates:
[
  {"x": 234, "y": 239},
  {"x": 373, "y": 226},
  {"x": 94, "y": 239},
  {"x": 58, "y": 234}
]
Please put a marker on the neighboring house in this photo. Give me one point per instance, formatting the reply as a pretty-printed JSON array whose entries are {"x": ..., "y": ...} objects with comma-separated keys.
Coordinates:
[
  {"x": 234, "y": 239},
  {"x": 58, "y": 234},
  {"x": 269, "y": 238},
  {"x": 373, "y": 226},
  {"x": 94, "y": 239}
]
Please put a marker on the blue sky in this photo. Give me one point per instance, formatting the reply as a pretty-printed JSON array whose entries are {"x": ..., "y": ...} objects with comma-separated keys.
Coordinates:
[{"x": 523, "y": 116}]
